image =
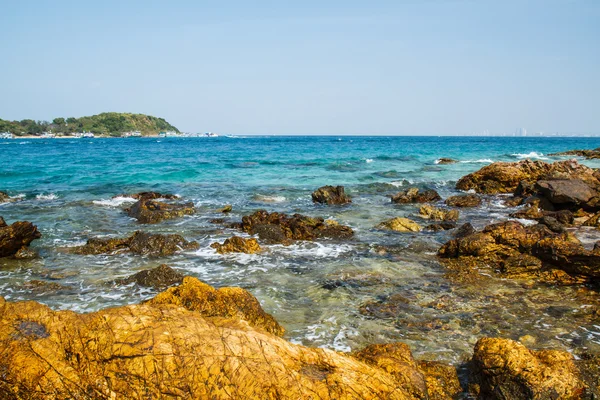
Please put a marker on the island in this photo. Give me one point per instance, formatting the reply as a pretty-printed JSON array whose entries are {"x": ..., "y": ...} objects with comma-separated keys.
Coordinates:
[{"x": 109, "y": 124}]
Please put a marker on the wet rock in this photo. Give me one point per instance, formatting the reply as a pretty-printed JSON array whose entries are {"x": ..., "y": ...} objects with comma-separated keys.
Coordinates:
[
  {"x": 194, "y": 342},
  {"x": 25, "y": 253},
  {"x": 226, "y": 209},
  {"x": 14, "y": 238},
  {"x": 413, "y": 195},
  {"x": 390, "y": 307},
  {"x": 400, "y": 224},
  {"x": 464, "y": 200},
  {"x": 2, "y": 223},
  {"x": 152, "y": 212},
  {"x": 594, "y": 220},
  {"x": 39, "y": 287},
  {"x": 589, "y": 154},
  {"x": 589, "y": 367},
  {"x": 237, "y": 244},
  {"x": 438, "y": 214},
  {"x": 155, "y": 245},
  {"x": 504, "y": 177},
  {"x": 149, "y": 196},
  {"x": 330, "y": 195},
  {"x": 157, "y": 278},
  {"x": 4, "y": 197},
  {"x": 441, "y": 380},
  {"x": 445, "y": 160},
  {"x": 294, "y": 227},
  {"x": 509, "y": 246},
  {"x": 465, "y": 229},
  {"x": 525, "y": 189},
  {"x": 217, "y": 221},
  {"x": 442, "y": 226},
  {"x": 571, "y": 192},
  {"x": 355, "y": 280},
  {"x": 552, "y": 224},
  {"x": 507, "y": 370}
]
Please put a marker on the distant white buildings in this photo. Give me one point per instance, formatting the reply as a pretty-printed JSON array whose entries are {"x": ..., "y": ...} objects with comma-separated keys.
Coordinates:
[{"x": 521, "y": 132}]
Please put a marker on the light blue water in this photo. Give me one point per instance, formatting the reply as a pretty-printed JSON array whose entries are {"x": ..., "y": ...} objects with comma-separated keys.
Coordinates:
[{"x": 66, "y": 187}]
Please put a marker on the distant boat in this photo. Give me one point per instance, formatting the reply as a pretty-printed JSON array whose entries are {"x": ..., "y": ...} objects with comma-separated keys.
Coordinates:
[
  {"x": 48, "y": 135},
  {"x": 210, "y": 134},
  {"x": 6, "y": 135},
  {"x": 132, "y": 134}
]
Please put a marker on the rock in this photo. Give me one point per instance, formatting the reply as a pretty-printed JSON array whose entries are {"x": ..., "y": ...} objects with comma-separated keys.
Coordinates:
[
  {"x": 438, "y": 214},
  {"x": 226, "y": 209},
  {"x": 589, "y": 366},
  {"x": 17, "y": 236},
  {"x": 507, "y": 370},
  {"x": 413, "y": 195},
  {"x": 400, "y": 224},
  {"x": 40, "y": 287},
  {"x": 143, "y": 243},
  {"x": 330, "y": 195},
  {"x": 397, "y": 360},
  {"x": 588, "y": 154},
  {"x": 504, "y": 177},
  {"x": 389, "y": 307},
  {"x": 237, "y": 244},
  {"x": 4, "y": 197},
  {"x": 465, "y": 200},
  {"x": 25, "y": 253},
  {"x": 149, "y": 196},
  {"x": 157, "y": 278},
  {"x": 441, "y": 380},
  {"x": 442, "y": 226},
  {"x": 151, "y": 212},
  {"x": 294, "y": 227},
  {"x": 2, "y": 223},
  {"x": 525, "y": 189},
  {"x": 445, "y": 160},
  {"x": 465, "y": 229},
  {"x": 552, "y": 223},
  {"x": 191, "y": 341},
  {"x": 535, "y": 251},
  {"x": 570, "y": 192}
]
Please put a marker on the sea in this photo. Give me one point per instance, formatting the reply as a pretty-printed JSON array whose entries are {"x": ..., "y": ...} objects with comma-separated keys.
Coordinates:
[{"x": 319, "y": 291}]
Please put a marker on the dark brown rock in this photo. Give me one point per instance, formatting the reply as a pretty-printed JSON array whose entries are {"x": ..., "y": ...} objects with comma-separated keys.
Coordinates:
[
  {"x": 589, "y": 154},
  {"x": 330, "y": 195},
  {"x": 442, "y": 226},
  {"x": 413, "y": 195},
  {"x": 151, "y": 212},
  {"x": 566, "y": 192},
  {"x": 294, "y": 227},
  {"x": 143, "y": 243},
  {"x": 464, "y": 200},
  {"x": 4, "y": 197},
  {"x": 552, "y": 223},
  {"x": 158, "y": 278},
  {"x": 445, "y": 160},
  {"x": 149, "y": 196},
  {"x": 16, "y": 236},
  {"x": 464, "y": 230}
]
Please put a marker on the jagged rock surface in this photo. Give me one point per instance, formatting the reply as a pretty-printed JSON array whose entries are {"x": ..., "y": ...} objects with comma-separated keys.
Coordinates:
[
  {"x": 15, "y": 238},
  {"x": 331, "y": 195},
  {"x": 148, "y": 211},
  {"x": 400, "y": 224},
  {"x": 413, "y": 195},
  {"x": 140, "y": 243},
  {"x": 157, "y": 278},
  {"x": 237, "y": 244}
]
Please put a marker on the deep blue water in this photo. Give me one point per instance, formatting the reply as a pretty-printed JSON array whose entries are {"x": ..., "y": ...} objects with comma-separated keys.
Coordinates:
[{"x": 65, "y": 187}]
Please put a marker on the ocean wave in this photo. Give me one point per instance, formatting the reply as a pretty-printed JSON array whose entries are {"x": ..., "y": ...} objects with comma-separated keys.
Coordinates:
[
  {"x": 49, "y": 196},
  {"x": 268, "y": 198},
  {"x": 368, "y": 160},
  {"x": 532, "y": 154},
  {"x": 482, "y": 160},
  {"x": 313, "y": 250},
  {"x": 115, "y": 201}
]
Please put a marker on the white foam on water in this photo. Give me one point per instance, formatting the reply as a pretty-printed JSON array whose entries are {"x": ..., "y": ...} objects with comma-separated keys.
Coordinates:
[
  {"x": 482, "y": 160},
  {"x": 369, "y": 160},
  {"x": 532, "y": 154},
  {"x": 313, "y": 249},
  {"x": 49, "y": 196},
  {"x": 115, "y": 201},
  {"x": 269, "y": 198}
]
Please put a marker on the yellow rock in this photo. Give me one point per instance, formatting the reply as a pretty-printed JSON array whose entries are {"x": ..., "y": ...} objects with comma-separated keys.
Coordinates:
[
  {"x": 400, "y": 224},
  {"x": 236, "y": 244}
]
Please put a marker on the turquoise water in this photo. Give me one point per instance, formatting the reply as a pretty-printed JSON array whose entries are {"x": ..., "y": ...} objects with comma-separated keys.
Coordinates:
[{"x": 66, "y": 187}]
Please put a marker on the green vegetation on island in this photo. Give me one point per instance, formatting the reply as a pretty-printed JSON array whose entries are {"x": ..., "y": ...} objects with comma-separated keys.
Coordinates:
[{"x": 110, "y": 124}]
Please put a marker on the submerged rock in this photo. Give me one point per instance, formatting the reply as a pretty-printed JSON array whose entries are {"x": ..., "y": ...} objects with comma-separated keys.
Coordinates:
[
  {"x": 400, "y": 224},
  {"x": 15, "y": 238},
  {"x": 151, "y": 212},
  {"x": 330, "y": 195},
  {"x": 438, "y": 214},
  {"x": 504, "y": 177},
  {"x": 237, "y": 244},
  {"x": 464, "y": 200},
  {"x": 149, "y": 196},
  {"x": 441, "y": 226},
  {"x": 38, "y": 287},
  {"x": 281, "y": 228},
  {"x": 532, "y": 251},
  {"x": 413, "y": 195},
  {"x": 225, "y": 209},
  {"x": 143, "y": 243},
  {"x": 507, "y": 370},
  {"x": 157, "y": 278},
  {"x": 445, "y": 160}
]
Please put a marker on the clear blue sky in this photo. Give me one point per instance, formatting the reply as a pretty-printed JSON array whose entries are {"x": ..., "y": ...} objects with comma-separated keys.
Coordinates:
[{"x": 308, "y": 67}]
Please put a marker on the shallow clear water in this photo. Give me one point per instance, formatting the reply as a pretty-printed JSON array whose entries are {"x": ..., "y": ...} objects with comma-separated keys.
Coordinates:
[{"x": 315, "y": 290}]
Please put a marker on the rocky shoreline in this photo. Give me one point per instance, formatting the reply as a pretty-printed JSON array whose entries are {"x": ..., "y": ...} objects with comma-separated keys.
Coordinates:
[{"x": 226, "y": 338}]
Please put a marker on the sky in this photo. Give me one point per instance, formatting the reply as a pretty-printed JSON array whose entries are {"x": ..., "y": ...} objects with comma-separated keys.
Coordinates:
[{"x": 403, "y": 67}]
